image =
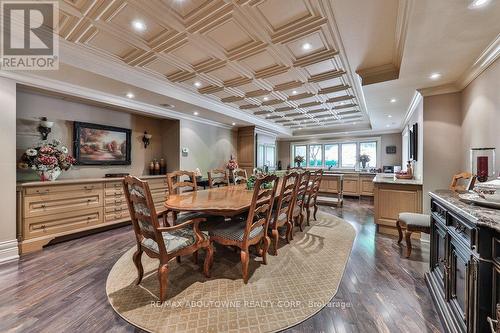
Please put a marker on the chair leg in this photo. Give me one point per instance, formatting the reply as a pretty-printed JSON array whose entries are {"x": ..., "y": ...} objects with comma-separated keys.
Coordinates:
[
  {"x": 276, "y": 237},
  {"x": 209, "y": 256},
  {"x": 315, "y": 211},
  {"x": 292, "y": 224},
  {"x": 308, "y": 212},
  {"x": 301, "y": 221},
  {"x": 288, "y": 234},
  {"x": 211, "y": 262},
  {"x": 408, "y": 243},
  {"x": 400, "y": 231},
  {"x": 138, "y": 265},
  {"x": 267, "y": 240},
  {"x": 244, "y": 264},
  {"x": 163, "y": 277}
]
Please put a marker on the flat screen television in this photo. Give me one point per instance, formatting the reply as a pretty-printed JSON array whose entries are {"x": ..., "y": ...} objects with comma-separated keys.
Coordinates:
[{"x": 101, "y": 145}]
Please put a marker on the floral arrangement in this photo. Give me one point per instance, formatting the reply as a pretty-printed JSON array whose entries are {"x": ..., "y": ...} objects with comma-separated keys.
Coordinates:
[
  {"x": 299, "y": 160},
  {"x": 251, "y": 182},
  {"x": 232, "y": 164},
  {"x": 49, "y": 159},
  {"x": 364, "y": 158}
]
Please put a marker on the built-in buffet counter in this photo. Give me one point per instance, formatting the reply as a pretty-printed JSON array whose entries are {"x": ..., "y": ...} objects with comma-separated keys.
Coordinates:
[
  {"x": 393, "y": 196},
  {"x": 464, "y": 276},
  {"x": 47, "y": 210}
]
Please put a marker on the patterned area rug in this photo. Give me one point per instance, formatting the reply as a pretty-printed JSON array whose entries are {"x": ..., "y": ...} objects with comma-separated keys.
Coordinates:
[{"x": 292, "y": 287}]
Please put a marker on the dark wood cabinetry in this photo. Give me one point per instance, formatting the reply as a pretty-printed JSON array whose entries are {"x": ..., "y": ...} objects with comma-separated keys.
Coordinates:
[{"x": 464, "y": 277}]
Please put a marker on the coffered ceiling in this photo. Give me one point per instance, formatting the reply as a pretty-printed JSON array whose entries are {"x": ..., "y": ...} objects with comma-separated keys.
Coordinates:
[{"x": 275, "y": 59}]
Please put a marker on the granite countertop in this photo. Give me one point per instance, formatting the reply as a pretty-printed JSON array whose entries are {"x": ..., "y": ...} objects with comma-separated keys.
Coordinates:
[
  {"x": 79, "y": 180},
  {"x": 393, "y": 180},
  {"x": 479, "y": 215}
]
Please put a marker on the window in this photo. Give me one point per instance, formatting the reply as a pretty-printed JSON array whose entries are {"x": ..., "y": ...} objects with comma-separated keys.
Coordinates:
[
  {"x": 260, "y": 156},
  {"x": 348, "y": 155},
  {"x": 370, "y": 149},
  {"x": 299, "y": 151},
  {"x": 315, "y": 158},
  {"x": 332, "y": 156},
  {"x": 270, "y": 154}
]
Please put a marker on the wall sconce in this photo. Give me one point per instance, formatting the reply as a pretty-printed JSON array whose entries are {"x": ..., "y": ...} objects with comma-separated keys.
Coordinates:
[
  {"x": 45, "y": 127},
  {"x": 146, "y": 139}
]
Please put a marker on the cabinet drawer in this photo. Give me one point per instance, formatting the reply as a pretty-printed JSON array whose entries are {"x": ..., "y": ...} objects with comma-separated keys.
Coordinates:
[
  {"x": 116, "y": 216},
  {"x": 117, "y": 185},
  {"x": 115, "y": 208},
  {"x": 350, "y": 186},
  {"x": 461, "y": 230},
  {"x": 157, "y": 183},
  {"x": 41, "y": 205},
  {"x": 49, "y": 189},
  {"x": 118, "y": 200},
  {"x": 438, "y": 211},
  {"x": 114, "y": 192},
  {"x": 67, "y": 222}
]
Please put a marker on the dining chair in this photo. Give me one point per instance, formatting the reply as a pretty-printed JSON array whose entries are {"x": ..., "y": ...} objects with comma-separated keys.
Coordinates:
[
  {"x": 283, "y": 209},
  {"x": 312, "y": 194},
  {"x": 163, "y": 243},
  {"x": 239, "y": 176},
  {"x": 178, "y": 182},
  {"x": 218, "y": 177},
  {"x": 299, "y": 199},
  {"x": 253, "y": 230}
]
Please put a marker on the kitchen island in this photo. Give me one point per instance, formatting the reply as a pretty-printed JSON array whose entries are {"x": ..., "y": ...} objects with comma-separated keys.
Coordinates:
[
  {"x": 464, "y": 265},
  {"x": 393, "y": 196}
]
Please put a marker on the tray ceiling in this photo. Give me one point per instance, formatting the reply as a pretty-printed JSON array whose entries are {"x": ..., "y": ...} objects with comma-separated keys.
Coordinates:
[{"x": 281, "y": 65}]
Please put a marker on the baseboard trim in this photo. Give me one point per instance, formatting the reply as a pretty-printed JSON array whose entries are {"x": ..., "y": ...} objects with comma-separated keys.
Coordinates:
[{"x": 9, "y": 251}]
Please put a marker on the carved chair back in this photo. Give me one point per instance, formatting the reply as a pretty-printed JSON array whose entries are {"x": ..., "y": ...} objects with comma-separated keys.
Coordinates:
[
  {"x": 284, "y": 203},
  {"x": 301, "y": 192},
  {"x": 239, "y": 176},
  {"x": 181, "y": 181},
  {"x": 217, "y": 177},
  {"x": 313, "y": 190},
  {"x": 142, "y": 212},
  {"x": 261, "y": 206}
]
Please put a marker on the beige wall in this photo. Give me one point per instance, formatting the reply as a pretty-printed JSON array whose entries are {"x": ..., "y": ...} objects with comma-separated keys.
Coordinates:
[
  {"x": 417, "y": 117},
  {"x": 209, "y": 146},
  {"x": 31, "y": 106},
  {"x": 443, "y": 153},
  {"x": 481, "y": 114},
  {"x": 8, "y": 243},
  {"x": 393, "y": 139}
]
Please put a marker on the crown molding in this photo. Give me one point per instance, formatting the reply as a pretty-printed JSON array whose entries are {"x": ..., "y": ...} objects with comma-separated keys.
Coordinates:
[
  {"x": 439, "y": 90},
  {"x": 84, "y": 93},
  {"x": 92, "y": 61},
  {"x": 404, "y": 10},
  {"x": 487, "y": 57},
  {"x": 415, "y": 101},
  {"x": 367, "y": 133},
  {"x": 378, "y": 74}
]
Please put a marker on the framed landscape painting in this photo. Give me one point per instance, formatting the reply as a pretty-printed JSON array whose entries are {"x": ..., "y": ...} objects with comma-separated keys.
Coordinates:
[{"x": 101, "y": 145}]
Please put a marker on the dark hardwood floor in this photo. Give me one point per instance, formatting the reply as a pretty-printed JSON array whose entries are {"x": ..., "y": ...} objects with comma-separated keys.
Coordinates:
[{"x": 61, "y": 289}]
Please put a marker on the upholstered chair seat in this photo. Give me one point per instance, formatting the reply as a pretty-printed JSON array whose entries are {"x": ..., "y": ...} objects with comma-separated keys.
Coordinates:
[
  {"x": 234, "y": 231},
  {"x": 174, "y": 240},
  {"x": 412, "y": 222}
]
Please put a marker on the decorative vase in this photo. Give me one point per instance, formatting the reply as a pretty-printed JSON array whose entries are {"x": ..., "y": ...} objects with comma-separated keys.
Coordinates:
[
  {"x": 363, "y": 164},
  {"x": 298, "y": 164},
  {"x": 49, "y": 175}
]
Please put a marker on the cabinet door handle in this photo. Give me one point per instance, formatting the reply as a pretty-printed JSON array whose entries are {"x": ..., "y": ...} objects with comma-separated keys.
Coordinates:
[
  {"x": 42, "y": 205},
  {"x": 492, "y": 323}
]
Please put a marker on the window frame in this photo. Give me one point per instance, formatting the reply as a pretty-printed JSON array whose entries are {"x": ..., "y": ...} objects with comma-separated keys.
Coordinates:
[{"x": 339, "y": 143}]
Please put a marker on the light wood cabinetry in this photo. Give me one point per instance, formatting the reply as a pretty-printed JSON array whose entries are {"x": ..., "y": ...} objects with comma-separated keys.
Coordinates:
[
  {"x": 60, "y": 208},
  {"x": 246, "y": 148},
  {"x": 351, "y": 185},
  {"x": 392, "y": 199},
  {"x": 354, "y": 184},
  {"x": 366, "y": 185},
  {"x": 331, "y": 190}
]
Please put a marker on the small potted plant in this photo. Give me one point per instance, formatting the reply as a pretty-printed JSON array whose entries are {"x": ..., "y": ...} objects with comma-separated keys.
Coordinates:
[
  {"x": 364, "y": 159},
  {"x": 48, "y": 159},
  {"x": 298, "y": 160}
]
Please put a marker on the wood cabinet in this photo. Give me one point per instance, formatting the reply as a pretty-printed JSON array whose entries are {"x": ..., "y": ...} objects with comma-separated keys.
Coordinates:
[
  {"x": 60, "y": 208},
  {"x": 331, "y": 190},
  {"x": 246, "y": 149},
  {"x": 463, "y": 276},
  {"x": 366, "y": 185},
  {"x": 390, "y": 199}
]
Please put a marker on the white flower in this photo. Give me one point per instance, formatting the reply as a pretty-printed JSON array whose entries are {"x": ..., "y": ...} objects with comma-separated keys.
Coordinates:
[
  {"x": 64, "y": 150},
  {"x": 31, "y": 152}
]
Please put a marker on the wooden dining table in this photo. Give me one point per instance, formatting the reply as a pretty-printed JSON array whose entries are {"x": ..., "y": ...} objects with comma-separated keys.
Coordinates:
[{"x": 224, "y": 201}]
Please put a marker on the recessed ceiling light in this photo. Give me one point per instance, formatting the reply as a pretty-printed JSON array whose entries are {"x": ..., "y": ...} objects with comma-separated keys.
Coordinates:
[
  {"x": 266, "y": 98},
  {"x": 138, "y": 25},
  {"x": 130, "y": 95},
  {"x": 388, "y": 125},
  {"x": 233, "y": 124},
  {"x": 306, "y": 46},
  {"x": 435, "y": 76},
  {"x": 354, "y": 123},
  {"x": 197, "y": 84},
  {"x": 478, "y": 3},
  {"x": 196, "y": 113},
  {"x": 294, "y": 92},
  {"x": 393, "y": 100},
  {"x": 389, "y": 115},
  {"x": 342, "y": 103}
]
